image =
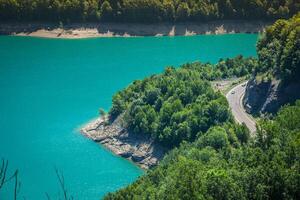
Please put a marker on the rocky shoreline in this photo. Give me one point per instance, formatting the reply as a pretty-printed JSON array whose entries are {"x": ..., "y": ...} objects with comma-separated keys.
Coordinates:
[
  {"x": 142, "y": 150},
  {"x": 88, "y": 30}
]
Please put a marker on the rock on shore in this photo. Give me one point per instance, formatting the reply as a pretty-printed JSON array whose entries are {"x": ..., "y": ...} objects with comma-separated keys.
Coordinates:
[{"x": 140, "y": 149}]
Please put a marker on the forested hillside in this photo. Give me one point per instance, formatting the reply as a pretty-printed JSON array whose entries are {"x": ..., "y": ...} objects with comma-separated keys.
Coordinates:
[
  {"x": 222, "y": 161},
  {"x": 279, "y": 50},
  {"x": 212, "y": 167},
  {"x": 145, "y": 10},
  {"x": 277, "y": 79}
]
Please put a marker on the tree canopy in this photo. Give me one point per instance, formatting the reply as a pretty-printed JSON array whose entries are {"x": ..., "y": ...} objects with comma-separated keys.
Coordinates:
[
  {"x": 219, "y": 166},
  {"x": 145, "y": 10},
  {"x": 220, "y": 161},
  {"x": 279, "y": 49},
  {"x": 178, "y": 104}
]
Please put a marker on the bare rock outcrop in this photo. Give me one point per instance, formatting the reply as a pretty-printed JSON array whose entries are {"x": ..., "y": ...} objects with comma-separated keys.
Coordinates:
[
  {"x": 268, "y": 96},
  {"x": 140, "y": 149}
]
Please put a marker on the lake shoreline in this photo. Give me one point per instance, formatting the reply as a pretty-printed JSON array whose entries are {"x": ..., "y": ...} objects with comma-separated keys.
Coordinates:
[
  {"x": 140, "y": 149},
  {"x": 95, "y": 30}
]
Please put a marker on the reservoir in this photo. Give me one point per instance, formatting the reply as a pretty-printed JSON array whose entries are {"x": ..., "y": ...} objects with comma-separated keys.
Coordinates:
[{"x": 50, "y": 87}]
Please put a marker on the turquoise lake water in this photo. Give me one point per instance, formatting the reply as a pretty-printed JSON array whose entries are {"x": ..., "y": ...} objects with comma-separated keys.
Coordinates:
[{"x": 49, "y": 87}]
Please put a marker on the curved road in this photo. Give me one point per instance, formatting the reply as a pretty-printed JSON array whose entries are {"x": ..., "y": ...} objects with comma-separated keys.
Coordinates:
[{"x": 234, "y": 98}]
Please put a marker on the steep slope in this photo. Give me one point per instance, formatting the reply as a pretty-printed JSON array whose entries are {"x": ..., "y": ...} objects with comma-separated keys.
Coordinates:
[{"x": 277, "y": 79}]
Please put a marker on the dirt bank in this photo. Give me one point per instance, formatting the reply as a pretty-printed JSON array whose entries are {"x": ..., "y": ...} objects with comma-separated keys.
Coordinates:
[{"x": 87, "y": 30}]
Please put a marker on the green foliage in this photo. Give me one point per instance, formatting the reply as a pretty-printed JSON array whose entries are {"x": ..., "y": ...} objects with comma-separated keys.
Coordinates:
[
  {"x": 145, "y": 10},
  {"x": 214, "y": 168},
  {"x": 106, "y": 10},
  {"x": 118, "y": 106},
  {"x": 179, "y": 104},
  {"x": 237, "y": 67},
  {"x": 183, "y": 11},
  {"x": 279, "y": 49},
  {"x": 242, "y": 133},
  {"x": 215, "y": 137},
  {"x": 221, "y": 161}
]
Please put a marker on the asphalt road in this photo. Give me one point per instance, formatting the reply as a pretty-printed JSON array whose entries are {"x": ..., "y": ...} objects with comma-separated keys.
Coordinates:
[{"x": 234, "y": 97}]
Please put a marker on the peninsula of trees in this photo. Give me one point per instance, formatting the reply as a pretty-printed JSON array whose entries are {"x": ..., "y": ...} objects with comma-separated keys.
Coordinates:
[
  {"x": 179, "y": 104},
  {"x": 145, "y": 11}
]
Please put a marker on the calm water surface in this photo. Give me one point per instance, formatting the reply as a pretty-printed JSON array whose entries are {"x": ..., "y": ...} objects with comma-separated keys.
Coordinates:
[{"x": 49, "y": 87}]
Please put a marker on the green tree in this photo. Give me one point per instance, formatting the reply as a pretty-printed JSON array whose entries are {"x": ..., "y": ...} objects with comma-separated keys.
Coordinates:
[
  {"x": 182, "y": 12},
  {"x": 106, "y": 11},
  {"x": 215, "y": 137}
]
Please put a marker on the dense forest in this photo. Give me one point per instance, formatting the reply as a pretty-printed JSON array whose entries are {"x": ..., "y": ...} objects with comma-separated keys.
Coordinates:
[
  {"x": 179, "y": 104},
  {"x": 213, "y": 167},
  {"x": 145, "y": 10},
  {"x": 221, "y": 160},
  {"x": 279, "y": 50}
]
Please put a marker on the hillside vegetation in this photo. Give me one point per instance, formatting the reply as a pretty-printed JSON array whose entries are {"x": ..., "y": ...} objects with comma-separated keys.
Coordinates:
[
  {"x": 212, "y": 167},
  {"x": 279, "y": 50},
  {"x": 145, "y": 10},
  {"x": 221, "y": 161},
  {"x": 179, "y": 104},
  {"x": 277, "y": 79}
]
